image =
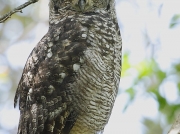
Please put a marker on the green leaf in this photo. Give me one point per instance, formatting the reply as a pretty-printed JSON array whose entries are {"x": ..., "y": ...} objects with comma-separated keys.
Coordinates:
[
  {"x": 125, "y": 64},
  {"x": 175, "y": 20}
]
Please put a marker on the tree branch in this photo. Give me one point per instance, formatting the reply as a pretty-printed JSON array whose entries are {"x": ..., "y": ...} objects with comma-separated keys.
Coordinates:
[
  {"x": 175, "y": 129},
  {"x": 18, "y": 9}
]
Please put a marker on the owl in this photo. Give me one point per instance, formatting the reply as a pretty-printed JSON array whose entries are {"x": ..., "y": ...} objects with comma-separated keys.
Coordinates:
[{"x": 70, "y": 80}]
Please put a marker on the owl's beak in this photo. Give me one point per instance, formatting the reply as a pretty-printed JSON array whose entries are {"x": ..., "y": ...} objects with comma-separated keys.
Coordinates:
[{"x": 82, "y": 4}]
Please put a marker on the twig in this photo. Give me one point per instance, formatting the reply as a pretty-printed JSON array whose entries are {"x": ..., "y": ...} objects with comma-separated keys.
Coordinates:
[
  {"x": 18, "y": 9},
  {"x": 175, "y": 129}
]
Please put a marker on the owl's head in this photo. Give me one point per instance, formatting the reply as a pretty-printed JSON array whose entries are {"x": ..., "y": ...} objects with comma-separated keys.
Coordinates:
[{"x": 80, "y": 5}]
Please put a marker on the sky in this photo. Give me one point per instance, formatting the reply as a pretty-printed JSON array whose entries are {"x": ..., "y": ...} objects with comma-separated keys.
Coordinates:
[{"x": 135, "y": 18}]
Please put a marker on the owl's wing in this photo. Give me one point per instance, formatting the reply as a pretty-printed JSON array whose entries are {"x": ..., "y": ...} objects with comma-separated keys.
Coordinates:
[{"x": 44, "y": 90}]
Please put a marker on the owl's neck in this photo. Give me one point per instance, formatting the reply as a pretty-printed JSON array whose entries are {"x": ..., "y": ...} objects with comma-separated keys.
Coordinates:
[{"x": 58, "y": 9}]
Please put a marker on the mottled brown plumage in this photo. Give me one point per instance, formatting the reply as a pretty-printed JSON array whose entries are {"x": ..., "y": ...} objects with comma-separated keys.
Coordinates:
[{"x": 70, "y": 80}]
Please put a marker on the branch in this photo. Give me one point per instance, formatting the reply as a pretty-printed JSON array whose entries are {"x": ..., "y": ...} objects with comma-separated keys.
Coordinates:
[
  {"x": 175, "y": 129},
  {"x": 18, "y": 9}
]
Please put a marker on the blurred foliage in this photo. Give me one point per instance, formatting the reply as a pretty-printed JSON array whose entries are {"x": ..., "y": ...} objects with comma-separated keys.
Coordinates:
[
  {"x": 155, "y": 126},
  {"x": 175, "y": 21},
  {"x": 150, "y": 78}
]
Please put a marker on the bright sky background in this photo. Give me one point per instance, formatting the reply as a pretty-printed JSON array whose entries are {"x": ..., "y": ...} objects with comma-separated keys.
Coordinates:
[{"x": 134, "y": 20}]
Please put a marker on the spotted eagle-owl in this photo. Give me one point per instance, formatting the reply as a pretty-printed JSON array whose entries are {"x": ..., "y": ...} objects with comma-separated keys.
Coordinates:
[{"x": 70, "y": 80}]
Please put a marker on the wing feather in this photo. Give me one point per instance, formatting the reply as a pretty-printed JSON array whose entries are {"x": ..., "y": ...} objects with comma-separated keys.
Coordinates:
[{"x": 44, "y": 90}]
